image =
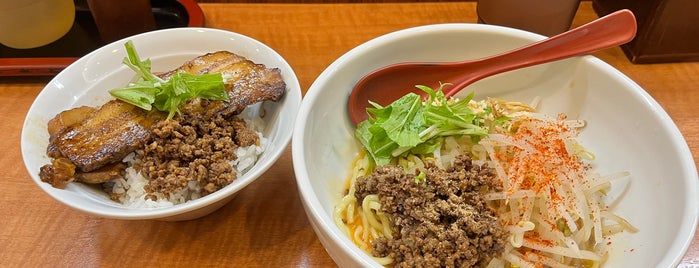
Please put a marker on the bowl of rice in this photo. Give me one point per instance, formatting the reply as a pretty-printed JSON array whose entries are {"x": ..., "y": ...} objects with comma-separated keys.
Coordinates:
[
  {"x": 566, "y": 164},
  {"x": 86, "y": 83}
]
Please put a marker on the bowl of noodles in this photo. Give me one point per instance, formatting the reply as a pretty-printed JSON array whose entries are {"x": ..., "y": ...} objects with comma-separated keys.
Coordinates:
[{"x": 565, "y": 164}]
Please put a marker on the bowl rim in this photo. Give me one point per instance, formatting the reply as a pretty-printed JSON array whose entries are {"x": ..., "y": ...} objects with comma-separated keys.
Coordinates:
[
  {"x": 313, "y": 206},
  {"x": 292, "y": 97}
]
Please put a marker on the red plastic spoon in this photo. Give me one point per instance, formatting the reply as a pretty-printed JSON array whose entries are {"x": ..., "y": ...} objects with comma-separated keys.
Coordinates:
[{"x": 389, "y": 83}]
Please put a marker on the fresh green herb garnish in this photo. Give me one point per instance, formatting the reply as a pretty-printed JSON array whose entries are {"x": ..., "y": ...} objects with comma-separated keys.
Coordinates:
[
  {"x": 422, "y": 177},
  {"x": 500, "y": 120},
  {"x": 166, "y": 96},
  {"x": 411, "y": 125}
]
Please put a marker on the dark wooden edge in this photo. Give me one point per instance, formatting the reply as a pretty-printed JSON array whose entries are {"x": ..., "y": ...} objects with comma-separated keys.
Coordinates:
[{"x": 53, "y": 65}]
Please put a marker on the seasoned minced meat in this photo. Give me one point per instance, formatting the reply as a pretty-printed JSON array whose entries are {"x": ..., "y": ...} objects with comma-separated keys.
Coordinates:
[
  {"x": 193, "y": 148},
  {"x": 442, "y": 221}
]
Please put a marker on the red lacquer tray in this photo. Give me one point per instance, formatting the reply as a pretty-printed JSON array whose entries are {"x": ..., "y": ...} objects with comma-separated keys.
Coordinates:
[{"x": 83, "y": 38}]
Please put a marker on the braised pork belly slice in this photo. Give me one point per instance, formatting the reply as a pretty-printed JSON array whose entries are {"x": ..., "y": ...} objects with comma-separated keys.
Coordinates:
[
  {"x": 247, "y": 83},
  {"x": 106, "y": 136},
  {"x": 102, "y": 138}
]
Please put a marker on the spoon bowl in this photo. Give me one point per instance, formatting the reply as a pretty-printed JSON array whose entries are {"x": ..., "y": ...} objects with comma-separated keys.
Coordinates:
[{"x": 389, "y": 83}]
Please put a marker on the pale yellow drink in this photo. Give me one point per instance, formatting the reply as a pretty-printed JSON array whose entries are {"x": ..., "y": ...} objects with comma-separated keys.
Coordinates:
[{"x": 34, "y": 23}]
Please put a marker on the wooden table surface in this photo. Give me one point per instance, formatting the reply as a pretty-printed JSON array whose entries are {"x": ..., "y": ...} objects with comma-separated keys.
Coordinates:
[{"x": 265, "y": 225}]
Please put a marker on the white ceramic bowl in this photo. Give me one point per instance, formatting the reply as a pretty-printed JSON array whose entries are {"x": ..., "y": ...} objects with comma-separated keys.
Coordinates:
[
  {"x": 627, "y": 130},
  {"x": 86, "y": 81}
]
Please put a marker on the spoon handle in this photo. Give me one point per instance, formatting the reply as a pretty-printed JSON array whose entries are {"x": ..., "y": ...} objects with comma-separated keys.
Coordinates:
[{"x": 614, "y": 29}]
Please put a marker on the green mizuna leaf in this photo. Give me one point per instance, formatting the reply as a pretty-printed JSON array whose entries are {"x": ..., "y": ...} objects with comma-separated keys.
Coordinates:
[
  {"x": 140, "y": 94},
  {"x": 142, "y": 68},
  {"x": 405, "y": 121},
  {"x": 410, "y": 125},
  {"x": 152, "y": 91}
]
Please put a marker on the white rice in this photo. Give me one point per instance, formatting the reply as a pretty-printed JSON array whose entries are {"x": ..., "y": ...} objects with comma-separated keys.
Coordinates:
[{"x": 130, "y": 188}]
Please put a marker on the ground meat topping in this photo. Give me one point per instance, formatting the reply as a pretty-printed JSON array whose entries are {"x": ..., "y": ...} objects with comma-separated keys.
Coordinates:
[
  {"x": 193, "y": 149},
  {"x": 442, "y": 221}
]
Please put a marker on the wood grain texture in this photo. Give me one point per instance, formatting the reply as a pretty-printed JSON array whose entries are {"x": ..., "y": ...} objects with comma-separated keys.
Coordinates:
[
  {"x": 265, "y": 225},
  {"x": 320, "y": 1}
]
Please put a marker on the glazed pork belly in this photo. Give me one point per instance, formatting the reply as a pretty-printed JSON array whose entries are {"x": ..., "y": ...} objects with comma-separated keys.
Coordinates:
[
  {"x": 247, "y": 83},
  {"x": 106, "y": 136}
]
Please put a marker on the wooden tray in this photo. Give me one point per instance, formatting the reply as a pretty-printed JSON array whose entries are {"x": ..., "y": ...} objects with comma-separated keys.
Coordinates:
[{"x": 83, "y": 38}]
